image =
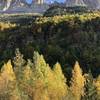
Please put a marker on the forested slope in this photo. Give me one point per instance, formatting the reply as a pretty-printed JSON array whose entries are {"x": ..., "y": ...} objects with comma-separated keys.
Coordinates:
[
  {"x": 35, "y": 80},
  {"x": 64, "y": 39}
]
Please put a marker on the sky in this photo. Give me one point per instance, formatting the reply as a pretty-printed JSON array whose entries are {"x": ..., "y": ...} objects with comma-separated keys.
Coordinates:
[{"x": 29, "y": 1}]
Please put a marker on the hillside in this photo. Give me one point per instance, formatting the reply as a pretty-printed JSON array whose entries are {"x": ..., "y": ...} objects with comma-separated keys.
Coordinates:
[
  {"x": 50, "y": 57},
  {"x": 58, "y": 38}
]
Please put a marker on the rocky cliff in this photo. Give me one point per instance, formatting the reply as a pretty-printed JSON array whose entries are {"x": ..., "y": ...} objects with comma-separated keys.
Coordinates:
[
  {"x": 17, "y": 5},
  {"x": 6, "y": 4},
  {"x": 93, "y": 4}
]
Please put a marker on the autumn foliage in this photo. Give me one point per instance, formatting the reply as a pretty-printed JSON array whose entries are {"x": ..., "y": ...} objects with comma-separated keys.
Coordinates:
[{"x": 35, "y": 80}]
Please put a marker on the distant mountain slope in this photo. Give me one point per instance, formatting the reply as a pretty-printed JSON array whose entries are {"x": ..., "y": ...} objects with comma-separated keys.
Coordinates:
[
  {"x": 71, "y": 3},
  {"x": 92, "y": 3},
  {"x": 6, "y": 4}
]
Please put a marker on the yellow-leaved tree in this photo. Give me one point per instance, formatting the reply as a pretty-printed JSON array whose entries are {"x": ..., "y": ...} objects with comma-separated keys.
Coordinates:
[
  {"x": 97, "y": 84},
  {"x": 28, "y": 80},
  {"x": 8, "y": 83},
  {"x": 77, "y": 82},
  {"x": 60, "y": 82},
  {"x": 40, "y": 73},
  {"x": 50, "y": 84}
]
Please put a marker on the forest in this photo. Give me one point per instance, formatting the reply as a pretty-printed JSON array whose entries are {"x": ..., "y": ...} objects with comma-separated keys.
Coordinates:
[
  {"x": 35, "y": 80},
  {"x": 50, "y": 58}
]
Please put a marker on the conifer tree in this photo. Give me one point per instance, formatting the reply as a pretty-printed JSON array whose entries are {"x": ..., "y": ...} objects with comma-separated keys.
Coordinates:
[
  {"x": 10, "y": 88},
  {"x": 40, "y": 66},
  {"x": 18, "y": 59},
  {"x": 41, "y": 92},
  {"x": 19, "y": 66},
  {"x": 27, "y": 83},
  {"x": 41, "y": 71},
  {"x": 30, "y": 63},
  {"x": 31, "y": 70},
  {"x": 60, "y": 81},
  {"x": 53, "y": 81},
  {"x": 90, "y": 88},
  {"x": 97, "y": 84},
  {"x": 77, "y": 82},
  {"x": 27, "y": 73},
  {"x": 7, "y": 69},
  {"x": 19, "y": 63}
]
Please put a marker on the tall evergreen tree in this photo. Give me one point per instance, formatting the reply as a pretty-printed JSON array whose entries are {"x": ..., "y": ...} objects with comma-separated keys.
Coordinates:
[
  {"x": 40, "y": 73},
  {"x": 27, "y": 73},
  {"x": 18, "y": 59},
  {"x": 50, "y": 81},
  {"x": 40, "y": 66},
  {"x": 97, "y": 84},
  {"x": 60, "y": 81},
  {"x": 90, "y": 88},
  {"x": 77, "y": 82},
  {"x": 10, "y": 87},
  {"x": 19, "y": 64},
  {"x": 27, "y": 82}
]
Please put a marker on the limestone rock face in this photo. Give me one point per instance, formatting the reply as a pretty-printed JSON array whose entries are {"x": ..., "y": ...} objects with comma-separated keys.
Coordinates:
[
  {"x": 75, "y": 3},
  {"x": 93, "y": 4},
  {"x": 7, "y": 4},
  {"x": 39, "y": 6},
  {"x": 17, "y": 6}
]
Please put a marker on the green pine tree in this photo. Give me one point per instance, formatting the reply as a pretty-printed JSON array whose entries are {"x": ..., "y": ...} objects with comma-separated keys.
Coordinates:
[
  {"x": 18, "y": 59},
  {"x": 90, "y": 88},
  {"x": 19, "y": 66}
]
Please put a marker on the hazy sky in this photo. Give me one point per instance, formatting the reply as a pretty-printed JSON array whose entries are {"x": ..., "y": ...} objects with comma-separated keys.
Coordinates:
[{"x": 47, "y": 0}]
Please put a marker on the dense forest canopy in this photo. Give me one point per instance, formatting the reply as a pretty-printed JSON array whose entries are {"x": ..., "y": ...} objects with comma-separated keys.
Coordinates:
[
  {"x": 64, "y": 38},
  {"x": 35, "y": 80},
  {"x": 69, "y": 68}
]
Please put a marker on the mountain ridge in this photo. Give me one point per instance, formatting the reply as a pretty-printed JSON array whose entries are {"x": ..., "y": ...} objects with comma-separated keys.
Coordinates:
[{"x": 5, "y": 5}]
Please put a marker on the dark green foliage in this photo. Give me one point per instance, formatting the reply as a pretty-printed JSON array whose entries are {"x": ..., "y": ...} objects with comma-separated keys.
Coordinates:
[
  {"x": 69, "y": 40},
  {"x": 18, "y": 60},
  {"x": 64, "y": 39},
  {"x": 60, "y": 10},
  {"x": 55, "y": 10},
  {"x": 90, "y": 88},
  {"x": 77, "y": 9},
  {"x": 61, "y": 38}
]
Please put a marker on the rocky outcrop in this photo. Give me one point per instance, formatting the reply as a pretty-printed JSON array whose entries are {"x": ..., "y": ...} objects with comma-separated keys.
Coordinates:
[
  {"x": 38, "y": 6},
  {"x": 93, "y": 4},
  {"x": 18, "y": 6},
  {"x": 7, "y": 4},
  {"x": 74, "y": 3}
]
